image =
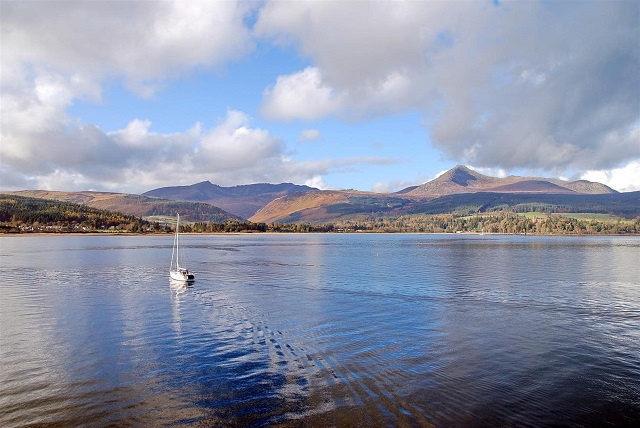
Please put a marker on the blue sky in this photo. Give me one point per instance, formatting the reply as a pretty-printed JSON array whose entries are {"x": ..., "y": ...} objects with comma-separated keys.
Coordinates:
[{"x": 129, "y": 96}]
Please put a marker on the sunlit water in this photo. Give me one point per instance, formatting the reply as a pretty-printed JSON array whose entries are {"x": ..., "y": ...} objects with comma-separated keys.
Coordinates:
[{"x": 317, "y": 330}]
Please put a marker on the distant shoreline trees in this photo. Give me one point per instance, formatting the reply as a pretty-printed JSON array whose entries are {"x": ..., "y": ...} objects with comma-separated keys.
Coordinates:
[
  {"x": 27, "y": 215},
  {"x": 23, "y": 214}
]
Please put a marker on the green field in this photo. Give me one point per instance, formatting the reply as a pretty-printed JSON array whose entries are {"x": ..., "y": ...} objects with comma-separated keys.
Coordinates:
[
  {"x": 577, "y": 216},
  {"x": 162, "y": 219}
]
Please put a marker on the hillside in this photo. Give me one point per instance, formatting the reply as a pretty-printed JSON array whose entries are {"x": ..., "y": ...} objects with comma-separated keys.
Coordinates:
[
  {"x": 242, "y": 200},
  {"x": 25, "y": 214},
  {"x": 461, "y": 179},
  {"x": 326, "y": 207},
  {"x": 312, "y": 206},
  {"x": 136, "y": 205},
  {"x": 625, "y": 205},
  {"x": 460, "y": 190}
]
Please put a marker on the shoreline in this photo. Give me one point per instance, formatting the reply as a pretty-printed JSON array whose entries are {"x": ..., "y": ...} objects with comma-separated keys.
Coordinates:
[{"x": 137, "y": 234}]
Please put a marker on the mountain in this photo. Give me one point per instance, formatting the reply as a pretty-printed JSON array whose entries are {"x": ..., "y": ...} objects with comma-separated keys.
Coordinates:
[
  {"x": 461, "y": 179},
  {"x": 328, "y": 205},
  {"x": 459, "y": 190},
  {"x": 331, "y": 206},
  {"x": 20, "y": 213},
  {"x": 140, "y": 206},
  {"x": 242, "y": 200},
  {"x": 310, "y": 206}
]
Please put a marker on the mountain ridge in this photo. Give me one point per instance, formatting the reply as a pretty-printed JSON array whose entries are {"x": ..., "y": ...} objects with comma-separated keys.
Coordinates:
[
  {"x": 242, "y": 200},
  {"x": 461, "y": 179},
  {"x": 458, "y": 189},
  {"x": 137, "y": 205}
]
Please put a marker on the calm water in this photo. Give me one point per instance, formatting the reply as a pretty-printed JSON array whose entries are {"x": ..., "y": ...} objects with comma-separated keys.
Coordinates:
[{"x": 343, "y": 330}]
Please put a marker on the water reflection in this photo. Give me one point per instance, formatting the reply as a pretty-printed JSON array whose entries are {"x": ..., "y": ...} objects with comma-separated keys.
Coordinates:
[{"x": 321, "y": 330}]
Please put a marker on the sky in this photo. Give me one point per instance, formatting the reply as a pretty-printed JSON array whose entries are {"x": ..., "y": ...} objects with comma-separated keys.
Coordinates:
[{"x": 129, "y": 96}]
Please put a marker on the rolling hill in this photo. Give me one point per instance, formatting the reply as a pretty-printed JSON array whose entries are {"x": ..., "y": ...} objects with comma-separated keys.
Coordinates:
[
  {"x": 460, "y": 190},
  {"x": 242, "y": 201},
  {"x": 332, "y": 206},
  {"x": 461, "y": 179},
  {"x": 137, "y": 205},
  {"x": 21, "y": 213}
]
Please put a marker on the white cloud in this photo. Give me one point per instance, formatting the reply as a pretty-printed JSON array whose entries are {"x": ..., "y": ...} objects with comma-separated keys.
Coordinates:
[
  {"x": 68, "y": 155},
  {"x": 545, "y": 86},
  {"x": 530, "y": 85},
  {"x": 302, "y": 95},
  {"x": 145, "y": 42},
  {"x": 233, "y": 146},
  {"x": 316, "y": 181},
  {"x": 394, "y": 186},
  {"x": 491, "y": 172},
  {"x": 54, "y": 53},
  {"x": 623, "y": 179},
  {"x": 135, "y": 134}
]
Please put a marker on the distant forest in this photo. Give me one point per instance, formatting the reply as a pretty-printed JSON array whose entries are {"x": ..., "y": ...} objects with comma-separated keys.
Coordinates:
[
  {"x": 23, "y": 215},
  {"x": 494, "y": 222},
  {"x": 18, "y": 213},
  {"x": 619, "y": 204},
  {"x": 507, "y": 222}
]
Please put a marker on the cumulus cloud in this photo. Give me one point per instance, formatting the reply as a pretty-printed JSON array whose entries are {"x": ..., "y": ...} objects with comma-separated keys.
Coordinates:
[
  {"x": 541, "y": 85},
  {"x": 316, "y": 182},
  {"x": 550, "y": 86},
  {"x": 145, "y": 42},
  {"x": 395, "y": 186},
  {"x": 68, "y": 155},
  {"x": 56, "y": 53},
  {"x": 301, "y": 95},
  {"x": 624, "y": 179}
]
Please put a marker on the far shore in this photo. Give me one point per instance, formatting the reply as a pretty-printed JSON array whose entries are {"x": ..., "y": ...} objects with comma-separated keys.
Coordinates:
[{"x": 58, "y": 234}]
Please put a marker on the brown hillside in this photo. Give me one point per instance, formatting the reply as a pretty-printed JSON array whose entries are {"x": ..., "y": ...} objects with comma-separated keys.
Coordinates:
[
  {"x": 531, "y": 186},
  {"x": 461, "y": 179},
  {"x": 92, "y": 199},
  {"x": 309, "y": 203},
  {"x": 244, "y": 200},
  {"x": 137, "y": 205},
  {"x": 585, "y": 187},
  {"x": 121, "y": 202},
  {"x": 434, "y": 196}
]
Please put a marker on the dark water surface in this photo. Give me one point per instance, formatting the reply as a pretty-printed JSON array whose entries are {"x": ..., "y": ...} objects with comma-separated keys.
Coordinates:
[{"x": 317, "y": 330}]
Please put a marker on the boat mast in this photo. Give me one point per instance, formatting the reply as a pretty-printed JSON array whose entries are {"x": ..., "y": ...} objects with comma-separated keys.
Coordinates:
[{"x": 178, "y": 244}]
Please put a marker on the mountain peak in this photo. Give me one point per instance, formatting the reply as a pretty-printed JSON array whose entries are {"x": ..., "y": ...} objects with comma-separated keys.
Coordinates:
[
  {"x": 203, "y": 185},
  {"x": 461, "y": 175},
  {"x": 242, "y": 200},
  {"x": 461, "y": 179}
]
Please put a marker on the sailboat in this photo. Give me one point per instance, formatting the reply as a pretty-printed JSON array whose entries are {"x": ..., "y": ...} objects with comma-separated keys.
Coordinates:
[{"x": 176, "y": 272}]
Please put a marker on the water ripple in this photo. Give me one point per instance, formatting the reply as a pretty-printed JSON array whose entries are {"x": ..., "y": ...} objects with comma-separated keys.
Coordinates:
[{"x": 321, "y": 330}]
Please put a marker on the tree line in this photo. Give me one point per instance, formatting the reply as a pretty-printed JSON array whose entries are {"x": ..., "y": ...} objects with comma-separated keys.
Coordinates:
[
  {"x": 494, "y": 222},
  {"x": 23, "y": 214},
  {"x": 18, "y": 213}
]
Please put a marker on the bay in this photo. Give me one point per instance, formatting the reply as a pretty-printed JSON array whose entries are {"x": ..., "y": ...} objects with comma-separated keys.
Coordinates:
[{"x": 320, "y": 329}]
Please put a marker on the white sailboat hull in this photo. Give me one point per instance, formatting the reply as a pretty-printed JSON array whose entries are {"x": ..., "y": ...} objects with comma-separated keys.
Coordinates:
[{"x": 181, "y": 275}]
